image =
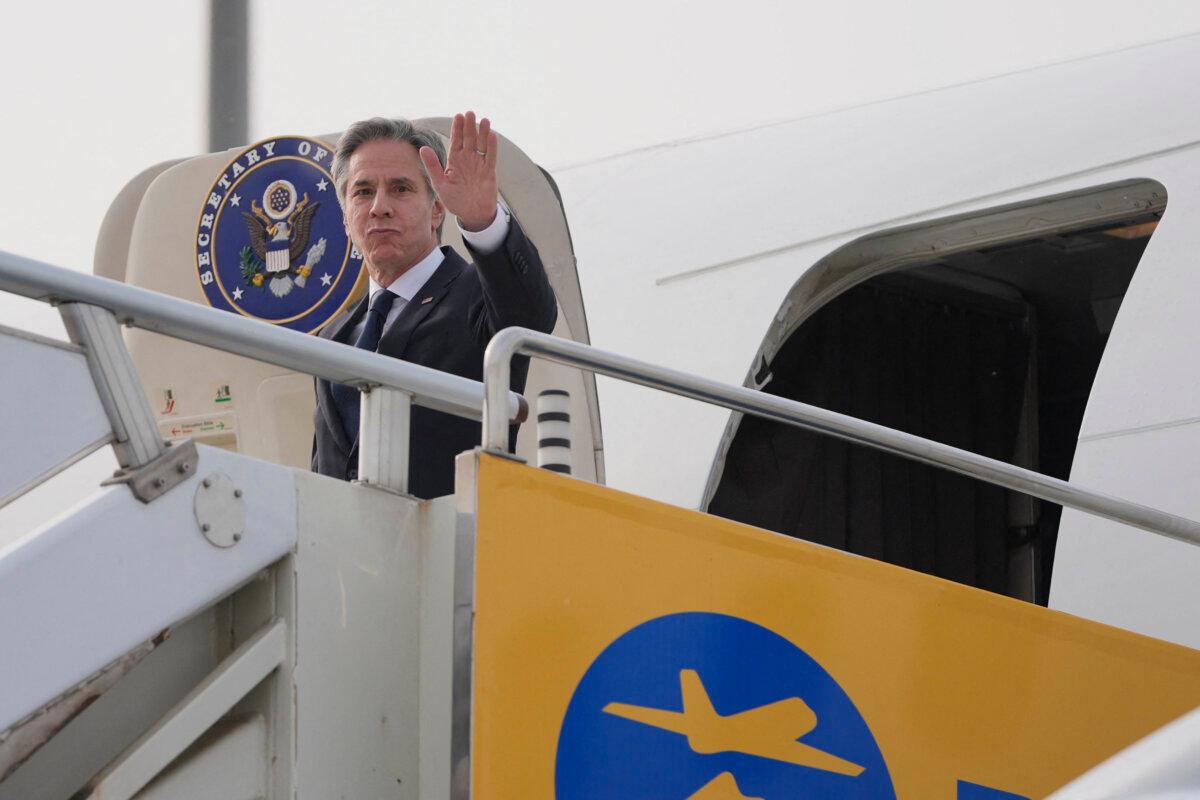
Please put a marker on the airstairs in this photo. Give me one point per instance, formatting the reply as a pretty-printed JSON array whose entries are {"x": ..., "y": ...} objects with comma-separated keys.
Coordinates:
[{"x": 207, "y": 624}]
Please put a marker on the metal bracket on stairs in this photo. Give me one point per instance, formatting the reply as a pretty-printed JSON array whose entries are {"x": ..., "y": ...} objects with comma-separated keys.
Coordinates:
[{"x": 151, "y": 481}]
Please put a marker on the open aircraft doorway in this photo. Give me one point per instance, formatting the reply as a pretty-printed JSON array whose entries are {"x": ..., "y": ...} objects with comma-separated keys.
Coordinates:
[{"x": 983, "y": 331}]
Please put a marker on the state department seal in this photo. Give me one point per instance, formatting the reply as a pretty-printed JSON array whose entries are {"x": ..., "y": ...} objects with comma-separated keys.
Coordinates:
[{"x": 270, "y": 243}]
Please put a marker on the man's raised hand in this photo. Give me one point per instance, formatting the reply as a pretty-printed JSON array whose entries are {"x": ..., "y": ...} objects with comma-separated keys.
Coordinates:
[{"x": 467, "y": 186}]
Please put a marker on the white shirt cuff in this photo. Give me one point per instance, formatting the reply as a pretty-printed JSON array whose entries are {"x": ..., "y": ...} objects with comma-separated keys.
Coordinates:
[{"x": 489, "y": 239}]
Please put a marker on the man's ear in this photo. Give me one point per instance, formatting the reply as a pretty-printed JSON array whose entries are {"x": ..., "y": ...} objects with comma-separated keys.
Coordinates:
[{"x": 439, "y": 215}]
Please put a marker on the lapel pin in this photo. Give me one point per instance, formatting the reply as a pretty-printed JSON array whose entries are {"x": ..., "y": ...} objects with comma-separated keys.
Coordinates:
[{"x": 427, "y": 300}]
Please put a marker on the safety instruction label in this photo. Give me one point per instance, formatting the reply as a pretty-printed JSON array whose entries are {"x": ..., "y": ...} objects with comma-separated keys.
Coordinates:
[{"x": 198, "y": 427}]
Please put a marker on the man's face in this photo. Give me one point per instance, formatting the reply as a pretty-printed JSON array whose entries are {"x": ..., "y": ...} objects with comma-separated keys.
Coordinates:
[{"x": 390, "y": 214}]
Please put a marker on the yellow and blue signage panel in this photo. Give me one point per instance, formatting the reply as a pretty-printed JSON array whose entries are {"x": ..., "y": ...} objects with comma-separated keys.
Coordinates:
[{"x": 629, "y": 649}]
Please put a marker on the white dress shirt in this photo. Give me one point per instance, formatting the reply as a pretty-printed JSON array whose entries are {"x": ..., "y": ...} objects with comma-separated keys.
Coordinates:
[{"x": 410, "y": 283}]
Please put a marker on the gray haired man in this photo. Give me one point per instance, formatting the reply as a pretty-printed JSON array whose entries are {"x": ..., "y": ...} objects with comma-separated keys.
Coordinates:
[{"x": 396, "y": 183}]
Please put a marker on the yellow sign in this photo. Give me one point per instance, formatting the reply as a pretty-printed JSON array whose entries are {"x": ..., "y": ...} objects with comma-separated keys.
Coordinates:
[{"x": 624, "y": 648}]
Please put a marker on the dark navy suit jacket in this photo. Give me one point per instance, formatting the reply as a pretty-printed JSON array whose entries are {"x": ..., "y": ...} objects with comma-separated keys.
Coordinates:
[{"x": 470, "y": 303}]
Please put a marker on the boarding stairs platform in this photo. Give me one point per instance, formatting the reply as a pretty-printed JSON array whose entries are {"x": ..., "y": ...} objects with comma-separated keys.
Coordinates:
[{"x": 207, "y": 624}]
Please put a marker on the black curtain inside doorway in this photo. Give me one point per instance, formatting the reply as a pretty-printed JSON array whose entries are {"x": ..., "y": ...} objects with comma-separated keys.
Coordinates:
[{"x": 937, "y": 361}]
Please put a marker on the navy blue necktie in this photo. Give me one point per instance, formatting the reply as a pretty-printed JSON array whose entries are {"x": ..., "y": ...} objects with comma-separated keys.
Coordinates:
[{"x": 347, "y": 397}]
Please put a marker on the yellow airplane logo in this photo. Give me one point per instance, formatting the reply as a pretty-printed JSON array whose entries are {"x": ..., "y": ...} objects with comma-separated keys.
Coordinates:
[
  {"x": 722, "y": 787},
  {"x": 768, "y": 731}
]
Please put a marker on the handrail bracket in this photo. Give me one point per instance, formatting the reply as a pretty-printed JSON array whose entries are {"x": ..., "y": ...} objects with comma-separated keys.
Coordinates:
[{"x": 151, "y": 481}]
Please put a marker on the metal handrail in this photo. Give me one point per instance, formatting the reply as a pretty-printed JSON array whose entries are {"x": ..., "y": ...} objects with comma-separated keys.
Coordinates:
[
  {"x": 142, "y": 308},
  {"x": 497, "y": 361}
]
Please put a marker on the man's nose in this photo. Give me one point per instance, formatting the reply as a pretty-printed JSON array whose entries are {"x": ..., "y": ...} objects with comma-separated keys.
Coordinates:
[{"x": 380, "y": 205}]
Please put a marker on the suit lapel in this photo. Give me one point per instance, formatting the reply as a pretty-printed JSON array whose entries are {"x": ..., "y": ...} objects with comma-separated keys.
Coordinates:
[
  {"x": 395, "y": 338},
  {"x": 339, "y": 332}
]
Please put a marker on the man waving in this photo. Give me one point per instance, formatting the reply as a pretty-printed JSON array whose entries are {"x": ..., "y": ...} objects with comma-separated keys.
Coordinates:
[{"x": 396, "y": 182}]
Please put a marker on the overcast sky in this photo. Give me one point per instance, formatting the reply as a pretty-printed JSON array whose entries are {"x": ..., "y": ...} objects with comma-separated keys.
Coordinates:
[{"x": 94, "y": 93}]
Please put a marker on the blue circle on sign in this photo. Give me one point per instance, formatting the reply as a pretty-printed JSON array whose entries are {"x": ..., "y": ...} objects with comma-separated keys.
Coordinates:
[
  {"x": 701, "y": 705},
  {"x": 270, "y": 241}
]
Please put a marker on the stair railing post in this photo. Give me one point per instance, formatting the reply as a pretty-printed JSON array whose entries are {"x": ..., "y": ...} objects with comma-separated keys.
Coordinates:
[
  {"x": 383, "y": 438},
  {"x": 137, "y": 439}
]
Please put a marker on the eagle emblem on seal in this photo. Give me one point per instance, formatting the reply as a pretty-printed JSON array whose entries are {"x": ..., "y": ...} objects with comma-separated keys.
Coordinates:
[
  {"x": 270, "y": 240},
  {"x": 279, "y": 233}
]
